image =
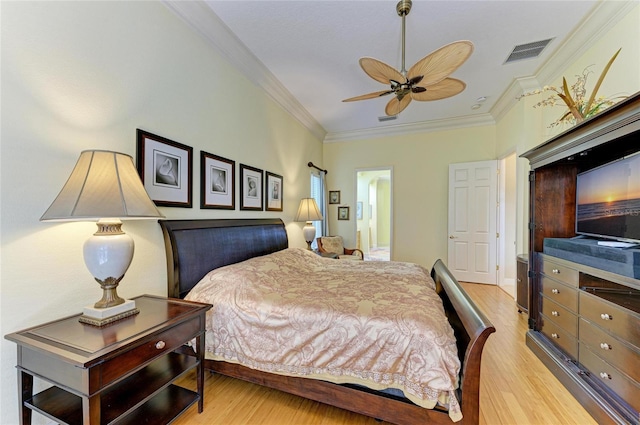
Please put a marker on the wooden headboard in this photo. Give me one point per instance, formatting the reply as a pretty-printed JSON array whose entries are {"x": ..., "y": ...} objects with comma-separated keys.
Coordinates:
[{"x": 195, "y": 247}]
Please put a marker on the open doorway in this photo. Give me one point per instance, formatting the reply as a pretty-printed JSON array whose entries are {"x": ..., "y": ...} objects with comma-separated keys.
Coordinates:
[
  {"x": 374, "y": 213},
  {"x": 507, "y": 254}
]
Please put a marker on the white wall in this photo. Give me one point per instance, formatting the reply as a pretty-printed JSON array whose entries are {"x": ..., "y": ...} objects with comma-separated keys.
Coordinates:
[{"x": 85, "y": 75}]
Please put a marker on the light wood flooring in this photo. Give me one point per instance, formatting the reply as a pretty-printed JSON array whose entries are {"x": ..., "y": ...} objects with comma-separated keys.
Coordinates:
[{"x": 516, "y": 387}]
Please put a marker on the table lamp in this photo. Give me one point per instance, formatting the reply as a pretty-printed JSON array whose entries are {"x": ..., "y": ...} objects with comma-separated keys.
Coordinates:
[
  {"x": 106, "y": 187},
  {"x": 308, "y": 211}
]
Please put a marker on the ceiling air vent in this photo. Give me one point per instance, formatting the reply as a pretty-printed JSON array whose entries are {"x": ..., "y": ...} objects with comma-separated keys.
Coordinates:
[
  {"x": 387, "y": 118},
  {"x": 528, "y": 50}
]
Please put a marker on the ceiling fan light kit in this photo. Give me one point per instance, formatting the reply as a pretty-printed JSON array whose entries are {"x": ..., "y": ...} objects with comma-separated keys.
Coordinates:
[{"x": 427, "y": 80}]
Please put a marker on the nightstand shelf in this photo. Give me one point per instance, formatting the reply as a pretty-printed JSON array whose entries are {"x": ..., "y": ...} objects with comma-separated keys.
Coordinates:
[{"x": 123, "y": 373}]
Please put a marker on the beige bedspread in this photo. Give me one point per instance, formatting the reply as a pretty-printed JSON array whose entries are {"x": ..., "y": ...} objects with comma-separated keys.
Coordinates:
[{"x": 378, "y": 324}]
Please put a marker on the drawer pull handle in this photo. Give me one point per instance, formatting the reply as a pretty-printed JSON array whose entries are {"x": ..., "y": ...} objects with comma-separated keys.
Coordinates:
[
  {"x": 555, "y": 271},
  {"x": 554, "y": 335},
  {"x": 555, "y": 313},
  {"x": 160, "y": 345},
  {"x": 605, "y": 375},
  {"x": 555, "y": 291},
  {"x": 605, "y": 346},
  {"x": 605, "y": 316}
]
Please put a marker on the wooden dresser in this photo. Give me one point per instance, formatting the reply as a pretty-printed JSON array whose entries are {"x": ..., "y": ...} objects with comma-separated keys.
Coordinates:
[
  {"x": 122, "y": 372},
  {"x": 584, "y": 321}
]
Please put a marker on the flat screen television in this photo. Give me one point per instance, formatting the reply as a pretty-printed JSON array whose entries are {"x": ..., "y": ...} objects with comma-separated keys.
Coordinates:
[{"x": 608, "y": 201}]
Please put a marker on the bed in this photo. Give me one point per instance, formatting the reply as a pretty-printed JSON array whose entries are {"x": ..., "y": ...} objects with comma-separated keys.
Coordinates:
[{"x": 196, "y": 247}]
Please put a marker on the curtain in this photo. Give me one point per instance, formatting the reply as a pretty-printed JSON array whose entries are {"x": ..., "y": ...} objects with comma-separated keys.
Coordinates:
[{"x": 319, "y": 193}]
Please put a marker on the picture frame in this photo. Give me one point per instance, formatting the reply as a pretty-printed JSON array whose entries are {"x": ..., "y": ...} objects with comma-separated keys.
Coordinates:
[
  {"x": 217, "y": 182},
  {"x": 166, "y": 169},
  {"x": 359, "y": 210},
  {"x": 343, "y": 213},
  {"x": 273, "y": 192},
  {"x": 334, "y": 197},
  {"x": 251, "y": 188}
]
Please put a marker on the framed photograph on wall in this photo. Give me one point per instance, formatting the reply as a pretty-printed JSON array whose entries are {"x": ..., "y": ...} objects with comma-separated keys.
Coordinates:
[
  {"x": 250, "y": 188},
  {"x": 166, "y": 169},
  {"x": 343, "y": 213},
  {"x": 334, "y": 196},
  {"x": 217, "y": 182},
  {"x": 273, "y": 192}
]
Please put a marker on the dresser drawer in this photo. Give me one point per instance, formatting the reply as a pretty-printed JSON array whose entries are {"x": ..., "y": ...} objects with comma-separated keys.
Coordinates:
[
  {"x": 624, "y": 386},
  {"x": 559, "y": 272},
  {"x": 561, "y": 338},
  {"x": 560, "y": 316},
  {"x": 621, "y": 322},
  {"x": 155, "y": 346},
  {"x": 560, "y": 293},
  {"x": 610, "y": 349}
]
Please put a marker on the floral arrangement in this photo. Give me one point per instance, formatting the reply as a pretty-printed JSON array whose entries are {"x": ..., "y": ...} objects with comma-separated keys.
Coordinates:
[{"x": 575, "y": 98}]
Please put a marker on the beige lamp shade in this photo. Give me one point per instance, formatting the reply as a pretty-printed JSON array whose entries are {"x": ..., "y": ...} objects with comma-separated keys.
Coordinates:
[
  {"x": 308, "y": 210},
  {"x": 102, "y": 184}
]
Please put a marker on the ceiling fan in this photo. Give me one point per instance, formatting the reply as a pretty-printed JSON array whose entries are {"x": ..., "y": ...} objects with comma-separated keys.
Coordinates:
[{"x": 428, "y": 79}]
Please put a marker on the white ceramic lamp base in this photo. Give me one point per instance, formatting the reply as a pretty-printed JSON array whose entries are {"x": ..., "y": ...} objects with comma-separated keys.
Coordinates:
[
  {"x": 309, "y": 232},
  {"x": 107, "y": 255}
]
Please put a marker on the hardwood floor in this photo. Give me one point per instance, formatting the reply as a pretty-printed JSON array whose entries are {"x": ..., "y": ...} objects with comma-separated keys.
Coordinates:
[{"x": 516, "y": 387}]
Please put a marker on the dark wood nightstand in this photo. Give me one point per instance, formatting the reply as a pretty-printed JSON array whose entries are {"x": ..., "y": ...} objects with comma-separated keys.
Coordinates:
[{"x": 124, "y": 371}]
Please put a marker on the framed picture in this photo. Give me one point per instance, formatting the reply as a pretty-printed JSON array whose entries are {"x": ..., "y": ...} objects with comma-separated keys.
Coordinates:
[
  {"x": 217, "y": 182},
  {"x": 250, "y": 188},
  {"x": 166, "y": 168},
  {"x": 273, "y": 192},
  {"x": 359, "y": 210},
  {"x": 334, "y": 196},
  {"x": 343, "y": 213}
]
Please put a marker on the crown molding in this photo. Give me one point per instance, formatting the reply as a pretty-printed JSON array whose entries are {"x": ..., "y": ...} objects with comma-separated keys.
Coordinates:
[
  {"x": 402, "y": 129},
  {"x": 603, "y": 16},
  {"x": 201, "y": 18}
]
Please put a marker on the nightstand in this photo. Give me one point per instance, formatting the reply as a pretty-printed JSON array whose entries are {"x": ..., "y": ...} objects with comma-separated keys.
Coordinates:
[{"x": 124, "y": 371}]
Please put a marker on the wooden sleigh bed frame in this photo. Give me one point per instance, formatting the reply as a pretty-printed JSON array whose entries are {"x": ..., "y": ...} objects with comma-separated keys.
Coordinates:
[{"x": 195, "y": 247}]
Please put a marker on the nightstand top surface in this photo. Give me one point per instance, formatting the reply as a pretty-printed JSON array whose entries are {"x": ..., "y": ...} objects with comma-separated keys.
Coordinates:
[{"x": 71, "y": 335}]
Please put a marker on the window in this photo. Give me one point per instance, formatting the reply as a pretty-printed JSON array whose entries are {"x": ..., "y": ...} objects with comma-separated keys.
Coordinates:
[{"x": 317, "y": 193}]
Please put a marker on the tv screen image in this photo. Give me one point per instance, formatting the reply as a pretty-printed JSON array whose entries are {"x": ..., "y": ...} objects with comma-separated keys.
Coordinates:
[{"x": 608, "y": 200}]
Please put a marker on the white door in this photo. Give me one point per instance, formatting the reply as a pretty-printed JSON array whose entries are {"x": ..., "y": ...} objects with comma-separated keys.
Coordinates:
[{"x": 473, "y": 212}]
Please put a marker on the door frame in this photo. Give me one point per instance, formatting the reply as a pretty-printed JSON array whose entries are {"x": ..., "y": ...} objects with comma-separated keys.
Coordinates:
[
  {"x": 507, "y": 219},
  {"x": 355, "y": 228}
]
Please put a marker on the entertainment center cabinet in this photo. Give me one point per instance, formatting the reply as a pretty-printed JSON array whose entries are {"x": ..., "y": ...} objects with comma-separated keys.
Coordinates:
[{"x": 584, "y": 307}]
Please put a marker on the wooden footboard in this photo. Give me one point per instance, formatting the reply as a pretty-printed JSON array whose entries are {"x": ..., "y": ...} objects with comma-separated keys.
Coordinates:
[
  {"x": 203, "y": 245},
  {"x": 471, "y": 328}
]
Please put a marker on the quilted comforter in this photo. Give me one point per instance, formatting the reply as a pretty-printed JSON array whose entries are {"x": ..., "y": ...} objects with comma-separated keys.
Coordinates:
[{"x": 377, "y": 324}]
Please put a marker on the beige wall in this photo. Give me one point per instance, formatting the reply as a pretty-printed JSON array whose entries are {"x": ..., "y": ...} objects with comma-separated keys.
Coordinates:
[
  {"x": 420, "y": 172},
  {"x": 84, "y": 75}
]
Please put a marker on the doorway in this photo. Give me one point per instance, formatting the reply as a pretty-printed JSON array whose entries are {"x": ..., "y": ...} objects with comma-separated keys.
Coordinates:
[{"x": 374, "y": 189}]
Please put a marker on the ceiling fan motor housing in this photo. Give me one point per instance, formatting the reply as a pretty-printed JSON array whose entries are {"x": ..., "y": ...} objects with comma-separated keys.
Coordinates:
[{"x": 403, "y": 7}]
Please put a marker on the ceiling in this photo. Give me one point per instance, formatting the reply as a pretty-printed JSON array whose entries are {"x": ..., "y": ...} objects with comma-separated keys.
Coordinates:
[{"x": 305, "y": 53}]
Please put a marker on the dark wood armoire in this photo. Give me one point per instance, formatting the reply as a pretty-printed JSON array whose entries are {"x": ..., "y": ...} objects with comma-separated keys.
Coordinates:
[{"x": 584, "y": 318}]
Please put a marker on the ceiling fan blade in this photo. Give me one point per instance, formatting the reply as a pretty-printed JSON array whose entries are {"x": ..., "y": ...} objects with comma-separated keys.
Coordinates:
[
  {"x": 441, "y": 90},
  {"x": 395, "y": 106},
  {"x": 380, "y": 71},
  {"x": 437, "y": 65},
  {"x": 369, "y": 96}
]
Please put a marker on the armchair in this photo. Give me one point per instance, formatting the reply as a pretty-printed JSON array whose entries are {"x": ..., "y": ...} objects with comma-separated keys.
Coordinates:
[{"x": 334, "y": 244}]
